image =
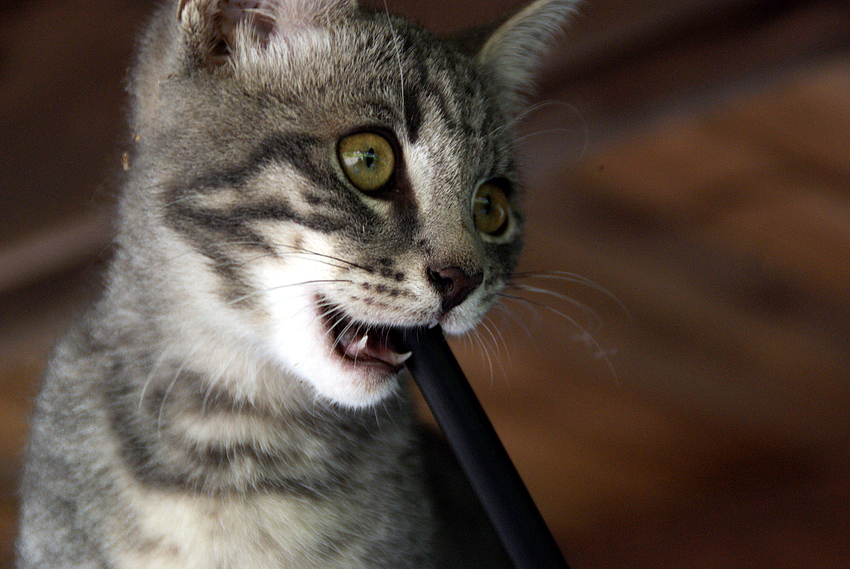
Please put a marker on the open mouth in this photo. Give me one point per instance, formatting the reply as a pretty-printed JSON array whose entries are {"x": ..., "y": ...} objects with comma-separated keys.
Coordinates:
[{"x": 360, "y": 343}]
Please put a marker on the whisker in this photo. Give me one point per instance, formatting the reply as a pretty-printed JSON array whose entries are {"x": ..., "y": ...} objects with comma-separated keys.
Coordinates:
[
  {"x": 560, "y": 275},
  {"x": 344, "y": 330},
  {"x": 583, "y": 335},
  {"x": 333, "y": 313},
  {"x": 165, "y": 397},
  {"x": 160, "y": 360},
  {"x": 340, "y": 260},
  {"x": 541, "y": 133},
  {"x": 593, "y": 318},
  {"x": 531, "y": 305},
  {"x": 532, "y": 108},
  {"x": 288, "y": 285},
  {"x": 588, "y": 339},
  {"x": 569, "y": 109},
  {"x": 501, "y": 338},
  {"x": 337, "y": 264},
  {"x": 565, "y": 276},
  {"x": 483, "y": 345},
  {"x": 502, "y": 307},
  {"x": 485, "y": 323}
]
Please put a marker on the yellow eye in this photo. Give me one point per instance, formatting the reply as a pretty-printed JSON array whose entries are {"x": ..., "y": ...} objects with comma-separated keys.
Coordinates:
[
  {"x": 490, "y": 209},
  {"x": 367, "y": 159}
]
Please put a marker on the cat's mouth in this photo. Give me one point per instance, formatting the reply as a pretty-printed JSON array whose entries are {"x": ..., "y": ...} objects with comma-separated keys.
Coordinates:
[{"x": 360, "y": 343}]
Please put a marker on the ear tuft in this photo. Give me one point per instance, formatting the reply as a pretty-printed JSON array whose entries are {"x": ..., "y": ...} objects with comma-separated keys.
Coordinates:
[
  {"x": 212, "y": 28},
  {"x": 514, "y": 51}
]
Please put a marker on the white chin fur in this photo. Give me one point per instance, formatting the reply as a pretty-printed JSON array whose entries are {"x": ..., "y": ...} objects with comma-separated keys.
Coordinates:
[{"x": 299, "y": 343}]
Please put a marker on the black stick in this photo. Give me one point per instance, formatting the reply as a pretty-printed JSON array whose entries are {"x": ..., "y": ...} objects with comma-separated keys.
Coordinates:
[{"x": 477, "y": 446}]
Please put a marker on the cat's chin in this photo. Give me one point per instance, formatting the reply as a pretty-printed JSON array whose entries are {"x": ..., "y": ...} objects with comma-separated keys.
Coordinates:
[
  {"x": 359, "y": 386},
  {"x": 359, "y": 364}
]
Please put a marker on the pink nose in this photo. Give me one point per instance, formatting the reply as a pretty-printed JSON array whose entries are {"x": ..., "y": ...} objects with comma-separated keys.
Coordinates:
[{"x": 453, "y": 284}]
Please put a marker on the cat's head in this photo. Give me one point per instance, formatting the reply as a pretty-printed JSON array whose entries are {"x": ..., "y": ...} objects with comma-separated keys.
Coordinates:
[{"x": 310, "y": 176}]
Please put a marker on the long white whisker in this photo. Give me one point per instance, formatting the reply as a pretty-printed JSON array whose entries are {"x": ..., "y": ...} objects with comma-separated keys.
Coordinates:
[
  {"x": 577, "y": 279},
  {"x": 502, "y": 307},
  {"x": 530, "y": 305},
  {"x": 541, "y": 133},
  {"x": 534, "y": 306},
  {"x": 535, "y": 107},
  {"x": 280, "y": 287},
  {"x": 588, "y": 339},
  {"x": 344, "y": 331},
  {"x": 569, "y": 107},
  {"x": 484, "y": 349},
  {"x": 324, "y": 256},
  {"x": 562, "y": 276},
  {"x": 323, "y": 259},
  {"x": 594, "y": 318},
  {"x": 151, "y": 375},
  {"x": 165, "y": 397},
  {"x": 486, "y": 323}
]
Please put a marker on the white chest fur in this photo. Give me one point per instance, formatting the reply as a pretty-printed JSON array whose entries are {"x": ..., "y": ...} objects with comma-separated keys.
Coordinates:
[{"x": 174, "y": 531}]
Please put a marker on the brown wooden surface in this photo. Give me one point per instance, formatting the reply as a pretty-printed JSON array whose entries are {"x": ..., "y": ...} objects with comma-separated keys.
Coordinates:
[{"x": 695, "y": 166}]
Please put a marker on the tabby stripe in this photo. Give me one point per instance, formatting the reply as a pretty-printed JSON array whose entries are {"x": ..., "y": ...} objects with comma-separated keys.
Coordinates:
[
  {"x": 304, "y": 153},
  {"x": 412, "y": 114},
  {"x": 158, "y": 456},
  {"x": 298, "y": 150},
  {"x": 232, "y": 222}
]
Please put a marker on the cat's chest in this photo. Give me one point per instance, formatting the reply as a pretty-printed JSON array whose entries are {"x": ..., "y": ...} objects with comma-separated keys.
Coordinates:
[{"x": 258, "y": 532}]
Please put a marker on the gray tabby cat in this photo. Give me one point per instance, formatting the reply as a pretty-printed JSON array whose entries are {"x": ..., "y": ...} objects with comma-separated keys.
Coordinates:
[{"x": 306, "y": 177}]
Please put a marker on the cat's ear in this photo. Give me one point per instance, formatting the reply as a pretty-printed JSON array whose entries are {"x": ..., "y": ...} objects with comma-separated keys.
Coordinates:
[
  {"x": 514, "y": 51},
  {"x": 212, "y": 28}
]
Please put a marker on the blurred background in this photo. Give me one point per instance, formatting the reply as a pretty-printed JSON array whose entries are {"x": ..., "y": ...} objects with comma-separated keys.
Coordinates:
[{"x": 674, "y": 385}]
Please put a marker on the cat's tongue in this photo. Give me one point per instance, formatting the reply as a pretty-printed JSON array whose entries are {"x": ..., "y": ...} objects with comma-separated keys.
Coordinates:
[{"x": 376, "y": 346}]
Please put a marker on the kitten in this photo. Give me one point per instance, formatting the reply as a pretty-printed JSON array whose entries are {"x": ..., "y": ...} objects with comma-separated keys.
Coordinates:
[{"x": 306, "y": 177}]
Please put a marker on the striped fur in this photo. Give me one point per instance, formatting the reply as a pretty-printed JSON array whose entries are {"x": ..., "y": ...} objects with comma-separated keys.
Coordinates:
[{"x": 207, "y": 412}]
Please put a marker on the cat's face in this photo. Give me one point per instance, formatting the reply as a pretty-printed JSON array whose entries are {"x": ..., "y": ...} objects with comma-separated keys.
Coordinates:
[{"x": 333, "y": 183}]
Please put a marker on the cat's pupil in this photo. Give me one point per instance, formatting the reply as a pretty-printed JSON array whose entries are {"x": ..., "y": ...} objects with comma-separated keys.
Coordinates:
[
  {"x": 487, "y": 205},
  {"x": 367, "y": 159}
]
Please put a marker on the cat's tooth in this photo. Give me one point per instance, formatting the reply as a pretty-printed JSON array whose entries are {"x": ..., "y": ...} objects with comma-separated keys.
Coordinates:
[
  {"x": 356, "y": 350},
  {"x": 398, "y": 359}
]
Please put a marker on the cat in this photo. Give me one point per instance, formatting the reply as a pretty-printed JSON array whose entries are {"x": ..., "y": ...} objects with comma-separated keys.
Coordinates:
[{"x": 306, "y": 177}]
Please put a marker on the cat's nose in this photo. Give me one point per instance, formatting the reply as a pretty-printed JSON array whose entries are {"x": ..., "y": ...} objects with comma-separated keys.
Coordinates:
[{"x": 454, "y": 284}]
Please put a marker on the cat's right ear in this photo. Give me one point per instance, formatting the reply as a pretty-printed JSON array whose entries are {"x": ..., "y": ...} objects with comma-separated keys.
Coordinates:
[
  {"x": 213, "y": 29},
  {"x": 514, "y": 50}
]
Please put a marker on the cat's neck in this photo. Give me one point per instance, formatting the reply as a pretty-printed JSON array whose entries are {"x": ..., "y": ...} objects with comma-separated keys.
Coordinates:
[{"x": 193, "y": 437}]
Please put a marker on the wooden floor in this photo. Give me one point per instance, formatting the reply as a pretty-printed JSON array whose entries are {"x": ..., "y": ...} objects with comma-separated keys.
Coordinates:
[{"x": 675, "y": 390}]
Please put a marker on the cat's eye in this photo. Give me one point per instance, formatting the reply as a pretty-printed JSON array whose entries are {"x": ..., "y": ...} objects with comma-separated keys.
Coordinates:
[
  {"x": 490, "y": 209},
  {"x": 368, "y": 160}
]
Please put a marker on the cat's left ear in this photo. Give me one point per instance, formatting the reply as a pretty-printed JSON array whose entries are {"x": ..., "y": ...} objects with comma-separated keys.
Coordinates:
[
  {"x": 212, "y": 28},
  {"x": 514, "y": 51}
]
